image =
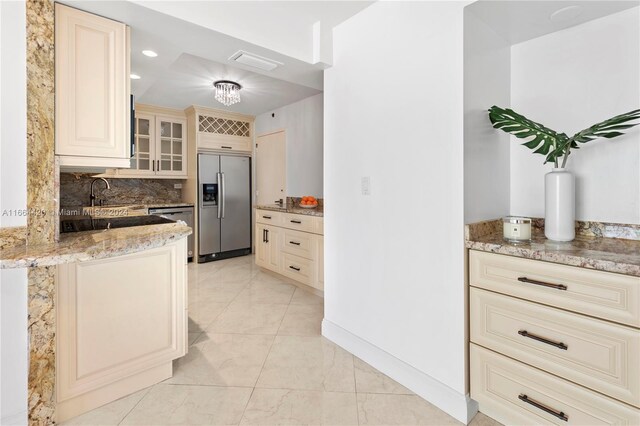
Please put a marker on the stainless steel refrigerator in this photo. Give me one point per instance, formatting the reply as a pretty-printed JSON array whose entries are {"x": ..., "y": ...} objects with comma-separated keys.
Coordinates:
[{"x": 224, "y": 206}]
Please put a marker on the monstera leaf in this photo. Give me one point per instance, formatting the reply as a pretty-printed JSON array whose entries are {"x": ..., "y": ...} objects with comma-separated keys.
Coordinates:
[
  {"x": 541, "y": 139},
  {"x": 551, "y": 143}
]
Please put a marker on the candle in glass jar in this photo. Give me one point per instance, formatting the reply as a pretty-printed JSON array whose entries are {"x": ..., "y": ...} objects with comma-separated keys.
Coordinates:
[{"x": 516, "y": 229}]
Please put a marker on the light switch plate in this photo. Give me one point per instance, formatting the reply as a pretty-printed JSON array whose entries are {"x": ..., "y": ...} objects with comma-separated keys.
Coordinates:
[
  {"x": 365, "y": 185},
  {"x": 177, "y": 186}
]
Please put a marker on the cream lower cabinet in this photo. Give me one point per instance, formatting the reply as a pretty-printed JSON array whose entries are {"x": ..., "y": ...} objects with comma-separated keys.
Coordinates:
[
  {"x": 291, "y": 245},
  {"x": 121, "y": 322},
  {"x": 268, "y": 246},
  {"x": 553, "y": 344}
]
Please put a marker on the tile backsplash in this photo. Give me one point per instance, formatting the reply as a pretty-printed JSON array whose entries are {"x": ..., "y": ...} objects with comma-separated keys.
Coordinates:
[{"x": 76, "y": 187}]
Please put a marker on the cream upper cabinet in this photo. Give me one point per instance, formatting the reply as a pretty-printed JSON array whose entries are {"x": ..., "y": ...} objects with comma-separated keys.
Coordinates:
[
  {"x": 171, "y": 147},
  {"x": 218, "y": 130},
  {"x": 160, "y": 140},
  {"x": 143, "y": 159},
  {"x": 92, "y": 90}
]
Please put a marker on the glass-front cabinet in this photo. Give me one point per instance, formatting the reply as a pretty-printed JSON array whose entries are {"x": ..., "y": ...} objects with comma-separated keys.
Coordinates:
[
  {"x": 160, "y": 147},
  {"x": 172, "y": 148},
  {"x": 143, "y": 161}
]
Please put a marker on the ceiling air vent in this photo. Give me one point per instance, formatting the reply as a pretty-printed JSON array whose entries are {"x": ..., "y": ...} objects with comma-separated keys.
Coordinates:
[{"x": 255, "y": 61}]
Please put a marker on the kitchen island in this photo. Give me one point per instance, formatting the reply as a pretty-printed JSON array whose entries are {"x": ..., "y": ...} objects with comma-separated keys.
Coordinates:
[{"x": 120, "y": 309}]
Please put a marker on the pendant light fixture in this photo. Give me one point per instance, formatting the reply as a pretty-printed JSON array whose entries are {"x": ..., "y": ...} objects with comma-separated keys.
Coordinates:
[{"x": 227, "y": 92}]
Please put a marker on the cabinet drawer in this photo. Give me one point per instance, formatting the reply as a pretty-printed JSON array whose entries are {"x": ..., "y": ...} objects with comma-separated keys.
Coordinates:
[
  {"x": 299, "y": 243},
  {"x": 297, "y": 268},
  {"x": 606, "y": 295},
  {"x": 500, "y": 385},
  {"x": 594, "y": 353},
  {"x": 269, "y": 217},
  {"x": 223, "y": 143},
  {"x": 298, "y": 222}
]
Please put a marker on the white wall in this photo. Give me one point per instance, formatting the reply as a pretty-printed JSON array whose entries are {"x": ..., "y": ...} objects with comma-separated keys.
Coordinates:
[
  {"x": 394, "y": 260},
  {"x": 569, "y": 80},
  {"x": 13, "y": 283},
  {"x": 487, "y": 77},
  {"x": 303, "y": 124}
]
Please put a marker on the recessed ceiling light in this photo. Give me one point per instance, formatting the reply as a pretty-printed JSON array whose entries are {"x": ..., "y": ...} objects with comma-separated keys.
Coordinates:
[
  {"x": 134, "y": 77},
  {"x": 566, "y": 14},
  {"x": 149, "y": 53}
]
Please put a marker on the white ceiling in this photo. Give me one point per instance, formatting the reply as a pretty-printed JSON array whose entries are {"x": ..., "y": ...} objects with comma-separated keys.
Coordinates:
[
  {"x": 188, "y": 81},
  {"x": 517, "y": 21},
  {"x": 191, "y": 57},
  {"x": 282, "y": 26}
]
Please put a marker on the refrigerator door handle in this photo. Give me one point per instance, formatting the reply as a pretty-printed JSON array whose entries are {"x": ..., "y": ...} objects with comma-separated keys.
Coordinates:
[
  {"x": 219, "y": 177},
  {"x": 224, "y": 195}
]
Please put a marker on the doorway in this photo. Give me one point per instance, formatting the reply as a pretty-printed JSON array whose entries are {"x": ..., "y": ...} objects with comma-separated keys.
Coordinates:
[{"x": 271, "y": 171}]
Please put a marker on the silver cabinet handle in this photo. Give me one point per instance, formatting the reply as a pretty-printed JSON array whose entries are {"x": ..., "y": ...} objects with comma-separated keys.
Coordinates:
[{"x": 226, "y": 147}]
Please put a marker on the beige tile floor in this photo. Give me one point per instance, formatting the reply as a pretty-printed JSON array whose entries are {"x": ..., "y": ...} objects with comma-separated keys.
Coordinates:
[{"x": 256, "y": 357}]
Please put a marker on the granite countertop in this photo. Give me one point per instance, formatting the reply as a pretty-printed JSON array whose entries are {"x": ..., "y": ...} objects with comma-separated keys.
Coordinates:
[
  {"x": 592, "y": 248},
  {"x": 90, "y": 245},
  {"x": 292, "y": 208}
]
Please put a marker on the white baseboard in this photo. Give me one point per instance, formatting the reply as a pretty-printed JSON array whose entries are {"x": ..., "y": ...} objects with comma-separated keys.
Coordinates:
[
  {"x": 16, "y": 419},
  {"x": 457, "y": 405}
]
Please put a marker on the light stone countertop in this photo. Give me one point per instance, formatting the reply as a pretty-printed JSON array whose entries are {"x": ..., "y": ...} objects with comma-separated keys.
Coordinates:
[
  {"x": 620, "y": 255},
  {"x": 292, "y": 208},
  {"x": 90, "y": 245}
]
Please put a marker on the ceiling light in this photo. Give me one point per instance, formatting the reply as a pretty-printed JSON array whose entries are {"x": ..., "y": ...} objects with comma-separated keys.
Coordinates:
[
  {"x": 149, "y": 53},
  {"x": 134, "y": 77},
  {"x": 566, "y": 14},
  {"x": 227, "y": 92}
]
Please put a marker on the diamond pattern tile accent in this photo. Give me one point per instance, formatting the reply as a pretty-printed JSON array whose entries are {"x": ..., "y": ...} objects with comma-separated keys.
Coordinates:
[{"x": 224, "y": 126}]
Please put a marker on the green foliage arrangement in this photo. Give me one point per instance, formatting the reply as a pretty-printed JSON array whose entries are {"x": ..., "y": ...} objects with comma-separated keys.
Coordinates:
[{"x": 554, "y": 145}]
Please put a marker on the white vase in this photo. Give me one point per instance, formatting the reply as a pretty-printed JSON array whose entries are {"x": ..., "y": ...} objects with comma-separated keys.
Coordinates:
[{"x": 559, "y": 205}]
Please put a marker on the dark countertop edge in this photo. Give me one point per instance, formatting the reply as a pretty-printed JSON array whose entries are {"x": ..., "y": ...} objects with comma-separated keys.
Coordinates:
[
  {"x": 294, "y": 210},
  {"x": 546, "y": 256},
  {"x": 135, "y": 243}
]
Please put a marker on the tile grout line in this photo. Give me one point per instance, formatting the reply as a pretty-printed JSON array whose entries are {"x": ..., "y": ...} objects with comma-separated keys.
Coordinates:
[
  {"x": 136, "y": 404},
  {"x": 355, "y": 387}
]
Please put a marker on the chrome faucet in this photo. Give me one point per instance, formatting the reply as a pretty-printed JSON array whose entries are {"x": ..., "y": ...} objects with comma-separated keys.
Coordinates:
[{"x": 92, "y": 197}]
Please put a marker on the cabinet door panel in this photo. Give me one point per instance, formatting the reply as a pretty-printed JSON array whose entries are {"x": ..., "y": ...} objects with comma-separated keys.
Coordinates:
[
  {"x": 171, "y": 146},
  {"x": 92, "y": 85},
  {"x": 119, "y": 316},
  {"x": 142, "y": 161}
]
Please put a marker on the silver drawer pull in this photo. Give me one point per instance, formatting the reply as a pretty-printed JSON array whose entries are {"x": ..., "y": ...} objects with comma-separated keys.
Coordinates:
[
  {"x": 558, "y": 414},
  {"x": 542, "y": 283},
  {"x": 294, "y": 268},
  {"x": 295, "y": 243},
  {"x": 558, "y": 345},
  {"x": 296, "y": 221},
  {"x": 226, "y": 147}
]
